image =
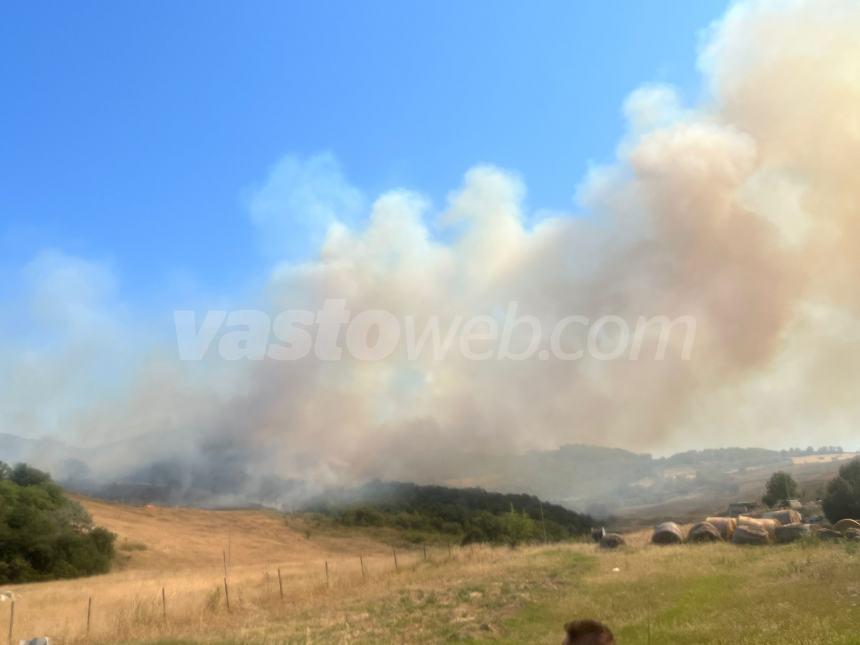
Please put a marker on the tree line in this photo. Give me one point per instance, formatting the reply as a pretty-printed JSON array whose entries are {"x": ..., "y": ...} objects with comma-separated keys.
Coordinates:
[{"x": 465, "y": 515}]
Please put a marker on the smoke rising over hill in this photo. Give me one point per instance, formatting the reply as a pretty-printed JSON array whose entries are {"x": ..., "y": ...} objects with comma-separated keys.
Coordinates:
[{"x": 742, "y": 211}]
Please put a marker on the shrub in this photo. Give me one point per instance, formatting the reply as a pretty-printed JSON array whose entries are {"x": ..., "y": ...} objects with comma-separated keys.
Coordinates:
[
  {"x": 842, "y": 498},
  {"x": 43, "y": 534},
  {"x": 779, "y": 487}
]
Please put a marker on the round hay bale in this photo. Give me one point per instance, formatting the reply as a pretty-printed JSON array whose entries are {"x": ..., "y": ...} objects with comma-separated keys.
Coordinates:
[
  {"x": 750, "y": 534},
  {"x": 768, "y": 525},
  {"x": 845, "y": 524},
  {"x": 612, "y": 541},
  {"x": 828, "y": 534},
  {"x": 791, "y": 532},
  {"x": 784, "y": 516},
  {"x": 667, "y": 533},
  {"x": 852, "y": 535},
  {"x": 597, "y": 534},
  {"x": 725, "y": 525},
  {"x": 704, "y": 532}
]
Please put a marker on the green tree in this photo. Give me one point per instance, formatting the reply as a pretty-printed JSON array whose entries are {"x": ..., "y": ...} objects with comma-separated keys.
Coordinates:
[
  {"x": 780, "y": 486},
  {"x": 517, "y": 527},
  {"x": 842, "y": 498},
  {"x": 25, "y": 475},
  {"x": 43, "y": 534}
]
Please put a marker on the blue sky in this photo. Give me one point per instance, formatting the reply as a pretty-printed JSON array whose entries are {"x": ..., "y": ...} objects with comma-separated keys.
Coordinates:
[{"x": 133, "y": 133}]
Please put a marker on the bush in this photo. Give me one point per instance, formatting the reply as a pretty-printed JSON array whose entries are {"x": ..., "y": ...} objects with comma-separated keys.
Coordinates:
[
  {"x": 842, "y": 498},
  {"x": 780, "y": 486},
  {"x": 43, "y": 534}
]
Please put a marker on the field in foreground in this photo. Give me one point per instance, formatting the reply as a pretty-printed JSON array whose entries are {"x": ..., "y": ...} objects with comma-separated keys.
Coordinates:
[{"x": 803, "y": 593}]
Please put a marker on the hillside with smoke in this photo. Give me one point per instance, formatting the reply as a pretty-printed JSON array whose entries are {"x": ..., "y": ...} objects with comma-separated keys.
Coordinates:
[{"x": 741, "y": 211}]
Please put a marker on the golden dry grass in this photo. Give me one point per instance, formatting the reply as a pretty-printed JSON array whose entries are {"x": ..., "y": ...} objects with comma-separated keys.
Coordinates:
[{"x": 182, "y": 550}]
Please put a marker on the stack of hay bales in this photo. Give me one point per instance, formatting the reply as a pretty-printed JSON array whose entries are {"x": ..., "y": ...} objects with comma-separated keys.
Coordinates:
[
  {"x": 784, "y": 516},
  {"x": 791, "y": 532},
  {"x": 752, "y": 530},
  {"x": 667, "y": 533},
  {"x": 768, "y": 524},
  {"x": 704, "y": 532},
  {"x": 725, "y": 525},
  {"x": 750, "y": 534}
]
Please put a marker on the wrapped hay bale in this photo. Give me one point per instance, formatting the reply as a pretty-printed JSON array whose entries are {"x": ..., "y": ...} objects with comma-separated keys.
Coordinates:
[
  {"x": 768, "y": 525},
  {"x": 784, "y": 516},
  {"x": 750, "y": 534},
  {"x": 612, "y": 541},
  {"x": 844, "y": 525},
  {"x": 704, "y": 532},
  {"x": 791, "y": 532},
  {"x": 667, "y": 533},
  {"x": 725, "y": 525}
]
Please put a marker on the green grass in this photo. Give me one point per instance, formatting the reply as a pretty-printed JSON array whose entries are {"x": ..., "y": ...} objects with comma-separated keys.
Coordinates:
[
  {"x": 686, "y": 594},
  {"x": 705, "y": 594}
]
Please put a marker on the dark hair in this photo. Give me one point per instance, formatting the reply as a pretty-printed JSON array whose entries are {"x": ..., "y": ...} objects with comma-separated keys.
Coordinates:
[{"x": 588, "y": 632}]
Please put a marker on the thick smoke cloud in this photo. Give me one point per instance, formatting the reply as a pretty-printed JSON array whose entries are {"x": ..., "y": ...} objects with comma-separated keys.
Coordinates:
[{"x": 742, "y": 211}]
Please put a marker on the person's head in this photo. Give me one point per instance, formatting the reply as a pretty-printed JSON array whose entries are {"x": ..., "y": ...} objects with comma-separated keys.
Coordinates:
[{"x": 587, "y": 632}]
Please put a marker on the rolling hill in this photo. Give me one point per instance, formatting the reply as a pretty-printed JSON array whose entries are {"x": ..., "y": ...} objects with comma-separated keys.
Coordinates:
[{"x": 595, "y": 480}]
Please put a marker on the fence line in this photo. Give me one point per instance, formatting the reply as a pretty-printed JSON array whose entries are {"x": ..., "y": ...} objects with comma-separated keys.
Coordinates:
[{"x": 423, "y": 558}]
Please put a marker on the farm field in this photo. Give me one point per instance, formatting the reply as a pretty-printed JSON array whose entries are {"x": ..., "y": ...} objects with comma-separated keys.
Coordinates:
[{"x": 802, "y": 593}]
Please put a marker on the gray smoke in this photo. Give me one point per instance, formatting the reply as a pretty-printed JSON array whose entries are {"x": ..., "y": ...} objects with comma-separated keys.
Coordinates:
[{"x": 742, "y": 211}]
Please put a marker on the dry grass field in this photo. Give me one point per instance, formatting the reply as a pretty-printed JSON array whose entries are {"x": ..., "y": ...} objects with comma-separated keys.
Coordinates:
[{"x": 803, "y": 593}]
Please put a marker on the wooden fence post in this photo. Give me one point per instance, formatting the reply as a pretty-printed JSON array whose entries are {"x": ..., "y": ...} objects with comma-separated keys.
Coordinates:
[
  {"x": 226, "y": 594},
  {"x": 363, "y": 574},
  {"x": 163, "y": 605},
  {"x": 425, "y": 550},
  {"x": 327, "y": 584},
  {"x": 543, "y": 523},
  {"x": 280, "y": 585},
  {"x": 396, "y": 568},
  {"x": 89, "y": 614},
  {"x": 11, "y": 620}
]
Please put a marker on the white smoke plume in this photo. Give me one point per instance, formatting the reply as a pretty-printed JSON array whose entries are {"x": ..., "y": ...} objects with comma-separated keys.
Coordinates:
[{"x": 742, "y": 211}]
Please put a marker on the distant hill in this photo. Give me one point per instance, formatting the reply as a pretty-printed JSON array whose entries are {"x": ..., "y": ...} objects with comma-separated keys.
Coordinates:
[
  {"x": 601, "y": 481},
  {"x": 469, "y": 514},
  {"x": 611, "y": 481},
  {"x": 15, "y": 449}
]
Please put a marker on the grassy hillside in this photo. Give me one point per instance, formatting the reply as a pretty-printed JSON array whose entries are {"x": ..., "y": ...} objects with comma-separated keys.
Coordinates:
[{"x": 707, "y": 594}]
